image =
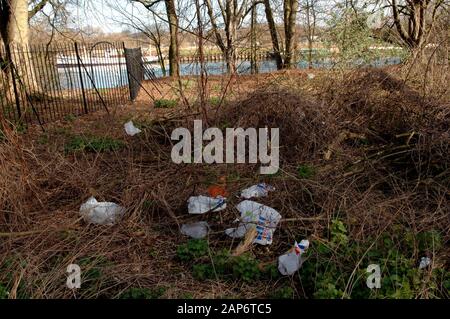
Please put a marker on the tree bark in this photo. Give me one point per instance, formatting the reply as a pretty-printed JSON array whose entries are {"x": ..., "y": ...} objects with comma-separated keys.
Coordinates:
[
  {"x": 273, "y": 34},
  {"x": 173, "y": 30},
  {"x": 290, "y": 14}
]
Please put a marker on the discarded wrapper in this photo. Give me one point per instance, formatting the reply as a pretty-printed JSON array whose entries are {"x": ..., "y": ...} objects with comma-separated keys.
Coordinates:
[
  {"x": 259, "y": 190},
  {"x": 130, "y": 129},
  {"x": 202, "y": 204},
  {"x": 253, "y": 214},
  {"x": 103, "y": 213},
  {"x": 311, "y": 76},
  {"x": 290, "y": 262},
  {"x": 424, "y": 262},
  {"x": 195, "y": 230}
]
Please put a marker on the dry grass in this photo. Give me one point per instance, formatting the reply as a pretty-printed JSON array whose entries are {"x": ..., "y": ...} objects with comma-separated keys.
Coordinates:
[{"x": 380, "y": 153}]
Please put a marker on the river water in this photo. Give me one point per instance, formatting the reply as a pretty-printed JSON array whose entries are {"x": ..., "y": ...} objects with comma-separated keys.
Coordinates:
[{"x": 110, "y": 76}]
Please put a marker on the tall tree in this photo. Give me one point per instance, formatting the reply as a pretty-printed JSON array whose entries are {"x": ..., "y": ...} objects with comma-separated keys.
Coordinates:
[
  {"x": 290, "y": 46},
  {"x": 172, "y": 19},
  {"x": 418, "y": 16},
  {"x": 232, "y": 13},
  {"x": 14, "y": 21},
  {"x": 287, "y": 58}
]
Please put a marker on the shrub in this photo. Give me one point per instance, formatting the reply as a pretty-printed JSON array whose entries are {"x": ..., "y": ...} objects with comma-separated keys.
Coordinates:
[
  {"x": 92, "y": 144},
  {"x": 305, "y": 171},
  {"x": 193, "y": 249},
  {"x": 143, "y": 293},
  {"x": 165, "y": 103}
]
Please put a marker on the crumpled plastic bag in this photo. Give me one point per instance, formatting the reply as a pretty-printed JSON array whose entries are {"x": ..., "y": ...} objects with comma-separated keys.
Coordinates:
[
  {"x": 202, "y": 204},
  {"x": 424, "y": 262},
  {"x": 102, "y": 213},
  {"x": 195, "y": 230},
  {"x": 259, "y": 190},
  {"x": 261, "y": 217},
  {"x": 290, "y": 262},
  {"x": 311, "y": 76},
  {"x": 130, "y": 129}
]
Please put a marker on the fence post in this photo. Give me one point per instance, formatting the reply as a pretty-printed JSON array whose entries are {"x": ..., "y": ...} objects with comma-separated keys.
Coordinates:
[
  {"x": 81, "y": 78},
  {"x": 13, "y": 79}
]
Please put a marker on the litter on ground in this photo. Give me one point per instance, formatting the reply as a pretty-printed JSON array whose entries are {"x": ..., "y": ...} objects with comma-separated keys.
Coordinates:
[
  {"x": 290, "y": 262},
  {"x": 255, "y": 215},
  {"x": 424, "y": 262},
  {"x": 259, "y": 190},
  {"x": 102, "y": 213},
  {"x": 202, "y": 204},
  {"x": 195, "y": 230},
  {"x": 130, "y": 129}
]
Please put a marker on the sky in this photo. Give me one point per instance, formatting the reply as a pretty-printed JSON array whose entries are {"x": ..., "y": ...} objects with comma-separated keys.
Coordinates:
[{"x": 112, "y": 16}]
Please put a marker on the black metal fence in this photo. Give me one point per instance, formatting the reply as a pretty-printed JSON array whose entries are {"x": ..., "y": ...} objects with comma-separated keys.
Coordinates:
[{"x": 40, "y": 84}]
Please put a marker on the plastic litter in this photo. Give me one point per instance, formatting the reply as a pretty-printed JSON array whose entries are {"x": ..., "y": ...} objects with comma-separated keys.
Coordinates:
[
  {"x": 130, "y": 129},
  {"x": 290, "y": 262},
  {"x": 103, "y": 213},
  {"x": 424, "y": 262},
  {"x": 255, "y": 215},
  {"x": 202, "y": 204},
  {"x": 217, "y": 190},
  {"x": 195, "y": 230},
  {"x": 311, "y": 76},
  {"x": 259, "y": 190}
]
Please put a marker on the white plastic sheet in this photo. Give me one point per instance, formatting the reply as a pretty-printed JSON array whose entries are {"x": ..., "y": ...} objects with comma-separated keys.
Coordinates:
[
  {"x": 103, "y": 213},
  {"x": 195, "y": 230},
  {"x": 253, "y": 214},
  {"x": 130, "y": 129},
  {"x": 202, "y": 204},
  {"x": 290, "y": 262},
  {"x": 259, "y": 190},
  {"x": 424, "y": 262}
]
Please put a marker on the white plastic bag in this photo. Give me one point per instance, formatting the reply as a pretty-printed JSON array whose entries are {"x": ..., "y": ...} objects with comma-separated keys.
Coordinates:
[
  {"x": 311, "y": 76},
  {"x": 103, "y": 213},
  {"x": 202, "y": 204},
  {"x": 253, "y": 214},
  {"x": 290, "y": 262},
  {"x": 195, "y": 230},
  {"x": 130, "y": 129},
  {"x": 424, "y": 262},
  {"x": 259, "y": 190}
]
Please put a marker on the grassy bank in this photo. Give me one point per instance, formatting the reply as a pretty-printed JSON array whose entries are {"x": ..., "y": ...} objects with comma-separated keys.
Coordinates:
[{"x": 364, "y": 176}]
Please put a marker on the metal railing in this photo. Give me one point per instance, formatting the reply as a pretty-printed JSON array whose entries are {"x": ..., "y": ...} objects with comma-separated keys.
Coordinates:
[{"x": 40, "y": 84}]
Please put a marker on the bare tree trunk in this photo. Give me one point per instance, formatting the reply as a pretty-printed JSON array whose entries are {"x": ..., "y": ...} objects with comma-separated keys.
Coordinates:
[
  {"x": 415, "y": 14},
  {"x": 14, "y": 32},
  {"x": 203, "y": 78},
  {"x": 253, "y": 62},
  {"x": 273, "y": 34},
  {"x": 290, "y": 14},
  {"x": 173, "y": 30},
  {"x": 230, "y": 33},
  {"x": 14, "y": 21},
  {"x": 311, "y": 27}
]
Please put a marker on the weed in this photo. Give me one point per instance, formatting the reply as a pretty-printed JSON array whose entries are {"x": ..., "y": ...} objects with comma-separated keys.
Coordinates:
[
  {"x": 215, "y": 100},
  {"x": 338, "y": 232},
  {"x": 329, "y": 267},
  {"x": 284, "y": 292},
  {"x": 69, "y": 117},
  {"x": 3, "y": 292},
  {"x": 92, "y": 144},
  {"x": 43, "y": 139},
  {"x": 245, "y": 267},
  {"x": 143, "y": 293},
  {"x": 193, "y": 249},
  {"x": 165, "y": 103},
  {"x": 305, "y": 171}
]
